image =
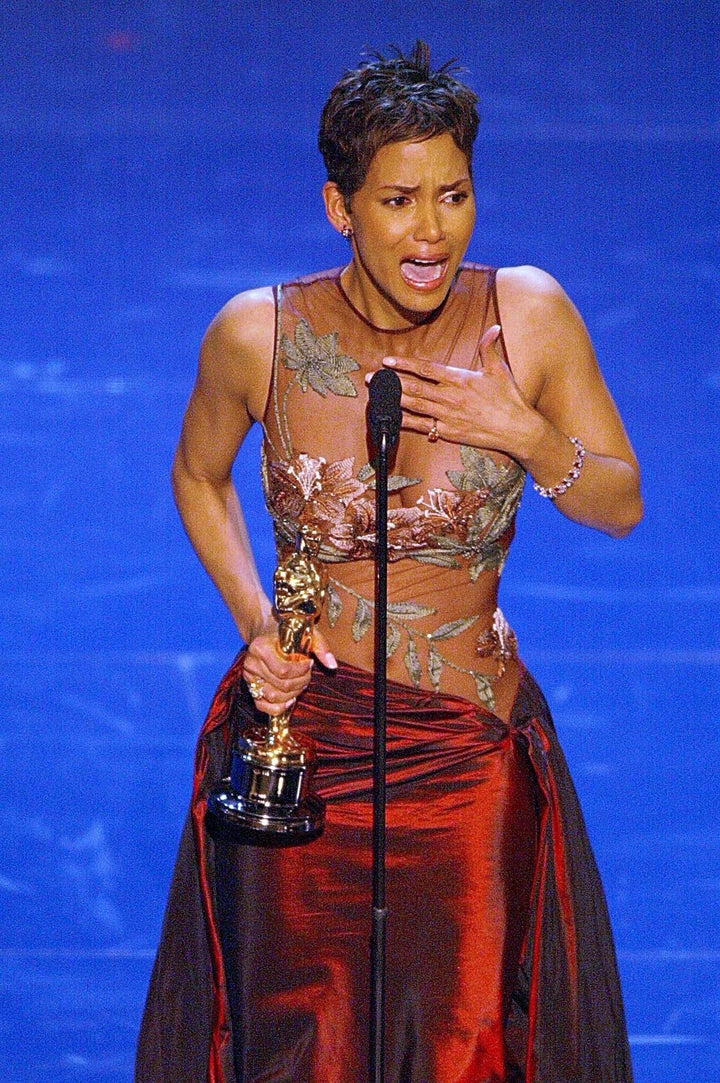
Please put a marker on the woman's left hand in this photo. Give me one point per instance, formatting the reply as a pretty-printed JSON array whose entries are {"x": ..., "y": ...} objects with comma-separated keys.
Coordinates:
[{"x": 482, "y": 407}]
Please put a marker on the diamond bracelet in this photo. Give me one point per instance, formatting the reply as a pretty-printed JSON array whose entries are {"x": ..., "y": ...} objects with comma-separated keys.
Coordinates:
[{"x": 554, "y": 491}]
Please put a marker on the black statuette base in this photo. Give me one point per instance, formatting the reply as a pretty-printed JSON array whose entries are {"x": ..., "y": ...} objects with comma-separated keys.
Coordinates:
[{"x": 263, "y": 823}]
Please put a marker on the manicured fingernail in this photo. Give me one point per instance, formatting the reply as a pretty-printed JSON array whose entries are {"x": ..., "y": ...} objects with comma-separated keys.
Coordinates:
[{"x": 390, "y": 361}]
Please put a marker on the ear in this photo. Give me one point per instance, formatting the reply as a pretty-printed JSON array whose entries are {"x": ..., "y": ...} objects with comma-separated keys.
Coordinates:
[{"x": 335, "y": 209}]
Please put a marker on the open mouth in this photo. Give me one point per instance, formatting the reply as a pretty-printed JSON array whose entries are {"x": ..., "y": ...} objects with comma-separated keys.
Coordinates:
[{"x": 423, "y": 273}]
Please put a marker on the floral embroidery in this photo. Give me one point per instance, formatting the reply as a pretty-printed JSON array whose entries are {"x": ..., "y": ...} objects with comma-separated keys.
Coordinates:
[
  {"x": 310, "y": 492},
  {"x": 441, "y": 528},
  {"x": 317, "y": 362},
  {"x": 481, "y": 472}
]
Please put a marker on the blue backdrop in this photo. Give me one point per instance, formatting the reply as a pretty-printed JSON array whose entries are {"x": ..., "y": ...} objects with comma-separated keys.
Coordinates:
[{"x": 158, "y": 156}]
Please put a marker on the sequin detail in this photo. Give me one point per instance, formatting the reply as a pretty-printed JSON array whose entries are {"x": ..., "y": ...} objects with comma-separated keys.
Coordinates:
[
  {"x": 444, "y": 527},
  {"x": 317, "y": 363}
]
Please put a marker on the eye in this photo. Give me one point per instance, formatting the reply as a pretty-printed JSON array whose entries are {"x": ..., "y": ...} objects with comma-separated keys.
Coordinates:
[
  {"x": 456, "y": 198},
  {"x": 396, "y": 201}
]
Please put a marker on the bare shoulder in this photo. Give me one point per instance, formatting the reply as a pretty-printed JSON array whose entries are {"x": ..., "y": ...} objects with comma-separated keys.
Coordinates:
[
  {"x": 543, "y": 329},
  {"x": 237, "y": 350},
  {"x": 531, "y": 294}
]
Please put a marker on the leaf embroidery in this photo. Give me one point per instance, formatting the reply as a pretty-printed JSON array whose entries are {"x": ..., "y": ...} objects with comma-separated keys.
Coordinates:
[
  {"x": 409, "y": 610},
  {"x": 395, "y": 481},
  {"x": 394, "y": 635},
  {"x": 334, "y": 605},
  {"x": 362, "y": 619},
  {"x": 484, "y": 688},
  {"x": 307, "y": 472},
  {"x": 318, "y": 363},
  {"x": 398, "y": 628},
  {"x": 442, "y": 528},
  {"x": 491, "y": 559},
  {"x": 481, "y": 472},
  {"x": 435, "y": 665},
  {"x": 440, "y": 560},
  {"x": 412, "y": 663},
  {"x": 399, "y": 481},
  {"x": 452, "y": 628}
]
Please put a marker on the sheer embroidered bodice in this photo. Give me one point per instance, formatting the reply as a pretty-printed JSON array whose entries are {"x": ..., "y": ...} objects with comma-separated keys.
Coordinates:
[
  {"x": 451, "y": 507},
  {"x": 443, "y": 527}
]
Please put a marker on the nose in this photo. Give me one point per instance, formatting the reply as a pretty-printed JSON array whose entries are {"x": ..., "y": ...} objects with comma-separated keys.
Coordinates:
[{"x": 428, "y": 224}]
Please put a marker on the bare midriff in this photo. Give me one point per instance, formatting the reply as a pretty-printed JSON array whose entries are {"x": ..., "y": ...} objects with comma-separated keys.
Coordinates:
[{"x": 451, "y": 596}]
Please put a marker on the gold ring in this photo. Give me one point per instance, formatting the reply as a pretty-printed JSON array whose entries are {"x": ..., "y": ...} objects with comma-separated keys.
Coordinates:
[
  {"x": 433, "y": 434},
  {"x": 256, "y": 689}
]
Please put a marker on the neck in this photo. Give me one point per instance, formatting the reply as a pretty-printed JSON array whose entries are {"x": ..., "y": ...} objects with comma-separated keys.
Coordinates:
[{"x": 377, "y": 307}]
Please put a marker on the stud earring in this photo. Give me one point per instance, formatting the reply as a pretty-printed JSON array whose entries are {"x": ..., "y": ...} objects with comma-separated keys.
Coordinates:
[{"x": 347, "y": 232}]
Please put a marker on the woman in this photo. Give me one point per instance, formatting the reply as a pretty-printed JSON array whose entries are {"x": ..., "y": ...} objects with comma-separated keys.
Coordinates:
[{"x": 500, "y": 963}]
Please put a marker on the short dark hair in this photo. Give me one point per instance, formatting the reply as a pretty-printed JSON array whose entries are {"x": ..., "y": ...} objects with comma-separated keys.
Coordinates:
[{"x": 387, "y": 100}]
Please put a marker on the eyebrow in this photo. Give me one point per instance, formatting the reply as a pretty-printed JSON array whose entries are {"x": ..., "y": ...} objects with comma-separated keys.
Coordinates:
[{"x": 408, "y": 189}]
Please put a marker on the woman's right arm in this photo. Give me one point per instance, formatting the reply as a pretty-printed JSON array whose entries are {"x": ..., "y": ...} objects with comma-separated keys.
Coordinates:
[{"x": 230, "y": 392}]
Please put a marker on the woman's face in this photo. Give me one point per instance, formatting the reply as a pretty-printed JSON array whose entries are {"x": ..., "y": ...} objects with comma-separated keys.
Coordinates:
[{"x": 411, "y": 221}]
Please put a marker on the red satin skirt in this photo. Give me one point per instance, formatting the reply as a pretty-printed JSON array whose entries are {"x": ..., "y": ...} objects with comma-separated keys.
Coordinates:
[
  {"x": 295, "y": 923},
  {"x": 500, "y": 966}
]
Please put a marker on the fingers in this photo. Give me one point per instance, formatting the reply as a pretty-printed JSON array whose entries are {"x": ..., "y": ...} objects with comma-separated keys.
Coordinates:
[
  {"x": 490, "y": 357},
  {"x": 422, "y": 389},
  {"x": 444, "y": 402},
  {"x": 322, "y": 652},
  {"x": 433, "y": 429},
  {"x": 426, "y": 370},
  {"x": 274, "y": 681}
]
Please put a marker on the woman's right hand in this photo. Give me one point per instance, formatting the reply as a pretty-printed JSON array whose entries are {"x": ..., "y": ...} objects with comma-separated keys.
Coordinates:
[{"x": 279, "y": 678}]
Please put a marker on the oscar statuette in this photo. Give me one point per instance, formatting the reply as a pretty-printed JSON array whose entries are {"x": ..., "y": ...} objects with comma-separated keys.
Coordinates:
[{"x": 267, "y": 797}]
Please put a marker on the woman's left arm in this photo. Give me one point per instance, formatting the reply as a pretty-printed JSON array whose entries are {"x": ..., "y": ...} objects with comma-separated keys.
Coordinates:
[{"x": 555, "y": 391}]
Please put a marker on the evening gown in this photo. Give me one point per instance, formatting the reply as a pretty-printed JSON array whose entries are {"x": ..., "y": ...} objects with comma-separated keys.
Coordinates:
[{"x": 500, "y": 962}]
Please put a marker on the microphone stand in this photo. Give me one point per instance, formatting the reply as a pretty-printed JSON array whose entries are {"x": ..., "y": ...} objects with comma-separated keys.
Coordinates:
[
  {"x": 379, "y": 910},
  {"x": 385, "y": 418}
]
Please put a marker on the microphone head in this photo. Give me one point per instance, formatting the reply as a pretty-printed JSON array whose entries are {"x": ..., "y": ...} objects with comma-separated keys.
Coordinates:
[{"x": 384, "y": 410}]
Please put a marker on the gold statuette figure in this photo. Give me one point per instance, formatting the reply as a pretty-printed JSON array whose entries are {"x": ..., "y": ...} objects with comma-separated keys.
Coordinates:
[{"x": 267, "y": 797}]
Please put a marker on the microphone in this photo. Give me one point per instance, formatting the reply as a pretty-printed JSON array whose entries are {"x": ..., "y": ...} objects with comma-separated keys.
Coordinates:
[{"x": 384, "y": 412}]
